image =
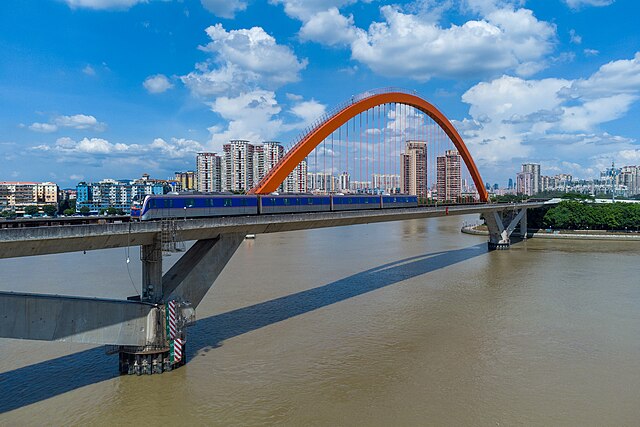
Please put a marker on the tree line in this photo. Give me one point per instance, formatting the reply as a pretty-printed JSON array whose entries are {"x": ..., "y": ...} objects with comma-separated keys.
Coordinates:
[
  {"x": 578, "y": 212},
  {"x": 577, "y": 215}
]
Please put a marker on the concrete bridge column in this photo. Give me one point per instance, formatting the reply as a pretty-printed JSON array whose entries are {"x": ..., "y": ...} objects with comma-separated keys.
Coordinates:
[{"x": 499, "y": 234}]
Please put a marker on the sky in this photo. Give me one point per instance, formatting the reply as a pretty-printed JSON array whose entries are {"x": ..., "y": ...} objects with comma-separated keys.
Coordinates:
[{"x": 93, "y": 89}]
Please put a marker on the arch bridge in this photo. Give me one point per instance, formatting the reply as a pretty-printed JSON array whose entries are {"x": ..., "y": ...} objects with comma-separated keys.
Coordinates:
[{"x": 149, "y": 330}]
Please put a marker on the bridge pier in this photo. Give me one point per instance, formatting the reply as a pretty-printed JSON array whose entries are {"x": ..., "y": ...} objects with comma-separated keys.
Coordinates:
[
  {"x": 147, "y": 331},
  {"x": 499, "y": 235},
  {"x": 179, "y": 291}
]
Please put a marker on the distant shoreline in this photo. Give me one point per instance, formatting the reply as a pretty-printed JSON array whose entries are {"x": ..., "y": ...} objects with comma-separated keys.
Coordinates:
[{"x": 481, "y": 230}]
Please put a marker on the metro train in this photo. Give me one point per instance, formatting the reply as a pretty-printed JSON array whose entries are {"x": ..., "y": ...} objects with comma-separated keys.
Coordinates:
[{"x": 213, "y": 205}]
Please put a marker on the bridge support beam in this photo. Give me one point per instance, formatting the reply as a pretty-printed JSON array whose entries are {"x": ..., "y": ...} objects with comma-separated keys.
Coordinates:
[{"x": 499, "y": 234}]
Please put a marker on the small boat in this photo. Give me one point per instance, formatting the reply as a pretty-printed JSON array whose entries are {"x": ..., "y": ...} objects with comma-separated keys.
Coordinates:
[{"x": 250, "y": 236}]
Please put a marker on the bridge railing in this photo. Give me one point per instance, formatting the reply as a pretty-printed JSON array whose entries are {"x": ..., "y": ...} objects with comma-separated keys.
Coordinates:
[{"x": 316, "y": 124}]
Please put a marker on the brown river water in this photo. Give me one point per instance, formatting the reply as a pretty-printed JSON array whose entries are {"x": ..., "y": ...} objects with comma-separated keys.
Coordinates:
[{"x": 398, "y": 324}]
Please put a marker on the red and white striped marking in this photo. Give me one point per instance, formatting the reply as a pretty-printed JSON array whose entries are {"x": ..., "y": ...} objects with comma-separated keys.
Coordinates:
[
  {"x": 178, "y": 344},
  {"x": 173, "y": 327}
]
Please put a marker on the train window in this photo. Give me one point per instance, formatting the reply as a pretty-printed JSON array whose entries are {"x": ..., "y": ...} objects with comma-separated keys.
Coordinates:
[
  {"x": 286, "y": 201},
  {"x": 310, "y": 201},
  {"x": 190, "y": 203},
  {"x": 244, "y": 202},
  {"x": 208, "y": 202},
  {"x": 349, "y": 200},
  {"x": 152, "y": 204},
  {"x": 227, "y": 202}
]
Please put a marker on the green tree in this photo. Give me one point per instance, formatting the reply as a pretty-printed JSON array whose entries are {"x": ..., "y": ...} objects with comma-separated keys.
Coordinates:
[
  {"x": 68, "y": 212},
  {"x": 50, "y": 210},
  {"x": 111, "y": 210},
  {"x": 85, "y": 210},
  {"x": 30, "y": 210},
  {"x": 119, "y": 212}
]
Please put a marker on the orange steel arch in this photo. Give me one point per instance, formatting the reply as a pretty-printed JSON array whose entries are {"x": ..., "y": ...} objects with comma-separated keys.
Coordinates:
[{"x": 305, "y": 146}]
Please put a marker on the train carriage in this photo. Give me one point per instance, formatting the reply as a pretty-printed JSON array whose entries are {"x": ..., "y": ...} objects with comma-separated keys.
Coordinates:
[
  {"x": 399, "y": 201},
  {"x": 271, "y": 204},
  {"x": 354, "y": 202}
]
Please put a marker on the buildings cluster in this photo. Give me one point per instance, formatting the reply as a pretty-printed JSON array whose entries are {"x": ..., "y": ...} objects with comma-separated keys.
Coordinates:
[
  {"x": 241, "y": 166},
  {"x": 118, "y": 194},
  {"x": 619, "y": 182},
  {"x": 16, "y": 196}
]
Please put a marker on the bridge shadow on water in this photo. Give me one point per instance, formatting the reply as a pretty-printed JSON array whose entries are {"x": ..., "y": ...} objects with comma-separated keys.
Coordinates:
[{"x": 44, "y": 380}]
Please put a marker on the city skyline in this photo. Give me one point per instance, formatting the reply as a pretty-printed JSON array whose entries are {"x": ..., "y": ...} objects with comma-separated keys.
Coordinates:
[{"x": 560, "y": 90}]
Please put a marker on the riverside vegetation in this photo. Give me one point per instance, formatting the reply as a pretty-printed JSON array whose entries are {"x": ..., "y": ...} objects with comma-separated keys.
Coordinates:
[{"x": 578, "y": 212}]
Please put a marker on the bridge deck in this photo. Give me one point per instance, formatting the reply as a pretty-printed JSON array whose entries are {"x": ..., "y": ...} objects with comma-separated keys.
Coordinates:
[{"x": 59, "y": 239}]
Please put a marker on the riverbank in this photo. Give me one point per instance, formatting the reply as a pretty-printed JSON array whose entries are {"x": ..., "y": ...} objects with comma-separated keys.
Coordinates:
[{"x": 481, "y": 230}]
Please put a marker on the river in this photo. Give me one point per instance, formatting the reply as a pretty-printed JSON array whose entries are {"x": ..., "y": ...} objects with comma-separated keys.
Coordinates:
[{"x": 407, "y": 323}]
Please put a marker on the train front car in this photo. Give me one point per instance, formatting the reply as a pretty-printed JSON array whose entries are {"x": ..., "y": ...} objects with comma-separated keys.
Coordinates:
[
  {"x": 198, "y": 206},
  {"x": 294, "y": 203}
]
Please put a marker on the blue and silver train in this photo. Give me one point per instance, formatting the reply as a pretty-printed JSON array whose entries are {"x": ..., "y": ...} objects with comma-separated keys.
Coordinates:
[{"x": 212, "y": 205}]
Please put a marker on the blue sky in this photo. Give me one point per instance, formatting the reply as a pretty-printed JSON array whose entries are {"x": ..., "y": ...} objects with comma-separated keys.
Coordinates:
[{"x": 91, "y": 89}]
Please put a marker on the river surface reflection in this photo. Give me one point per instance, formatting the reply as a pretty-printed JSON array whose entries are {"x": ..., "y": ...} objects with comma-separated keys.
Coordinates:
[{"x": 406, "y": 323}]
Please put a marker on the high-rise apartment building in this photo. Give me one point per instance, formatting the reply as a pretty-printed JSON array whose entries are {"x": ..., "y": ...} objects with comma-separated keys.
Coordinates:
[
  {"x": 344, "y": 181},
  {"x": 534, "y": 170},
  {"x": 258, "y": 165},
  {"x": 448, "y": 177},
  {"x": 629, "y": 177},
  {"x": 413, "y": 169},
  {"x": 209, "y": 172},
  {"x": 265, "y": 157},
  {"x": 296, "y": 182},
  {"x": 524, "y": 183},
  {"x": 238, "y": 165}
]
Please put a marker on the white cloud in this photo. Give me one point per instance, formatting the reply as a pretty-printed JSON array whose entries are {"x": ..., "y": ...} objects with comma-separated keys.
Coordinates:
[
  {"x": 577, "y": 4},
  {"x": 305, "y": 9},
  {"x": 178, "y": 148},
  {"x": 404, "y": 45},
  {"x": 243, "y": 60},
  {"x": 329, "y": 27},
  {"x": 103, "y": 4},
  {"x": 250, "y": 115},
  {"x": 591, "y": 52},
  {"x": 89, "y": 70},
  {"x": 157, "y": 83},
  {"x": 309, "y": 111},
  {"x": 224, "y": 8},
  {"x": 575, "y": 38},
  {"x": 77, "y": 121},
  {"x": 294, "y": 97},
  {"x": 43, "y": 127},
  {"x": 615, "y": 77},
  {"x": 513, "y": 118}
]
